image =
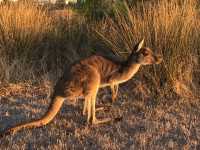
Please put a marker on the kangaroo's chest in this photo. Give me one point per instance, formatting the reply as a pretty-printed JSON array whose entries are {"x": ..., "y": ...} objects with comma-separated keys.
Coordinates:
[{"x": 122, "y": 75}]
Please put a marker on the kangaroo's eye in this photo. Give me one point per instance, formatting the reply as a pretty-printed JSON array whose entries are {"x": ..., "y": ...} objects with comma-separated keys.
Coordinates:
[{"x": 145, "y": 53}]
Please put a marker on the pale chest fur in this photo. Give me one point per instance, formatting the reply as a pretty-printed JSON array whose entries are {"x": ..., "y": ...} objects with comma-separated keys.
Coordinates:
[
  {"x": 122, "y": 76},
  {"x": 126, "y": 75}
]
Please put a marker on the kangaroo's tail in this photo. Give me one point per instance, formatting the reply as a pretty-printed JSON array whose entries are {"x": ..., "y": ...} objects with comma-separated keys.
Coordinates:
[{"x": 50, "y": 114}]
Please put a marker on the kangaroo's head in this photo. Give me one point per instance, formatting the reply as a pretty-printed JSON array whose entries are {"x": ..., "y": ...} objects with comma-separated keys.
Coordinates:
[{"x": 143, "y": 55}]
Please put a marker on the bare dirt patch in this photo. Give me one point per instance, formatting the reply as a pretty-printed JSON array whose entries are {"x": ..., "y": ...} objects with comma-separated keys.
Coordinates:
[{"x": 145, "y": 122}]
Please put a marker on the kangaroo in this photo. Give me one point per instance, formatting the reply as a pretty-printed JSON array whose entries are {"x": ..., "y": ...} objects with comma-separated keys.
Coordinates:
[{"x": 85, "y": 77}]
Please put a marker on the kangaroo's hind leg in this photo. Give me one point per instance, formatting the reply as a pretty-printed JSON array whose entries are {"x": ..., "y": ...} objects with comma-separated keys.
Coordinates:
[
  {"x": 90, "y": 93},
  {"x": 85, "y": 103},
  {"x": 94, "y": 119}
]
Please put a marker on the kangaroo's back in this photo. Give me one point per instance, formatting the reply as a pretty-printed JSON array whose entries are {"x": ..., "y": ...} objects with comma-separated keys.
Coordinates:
[{"x": 105, "y": 66}]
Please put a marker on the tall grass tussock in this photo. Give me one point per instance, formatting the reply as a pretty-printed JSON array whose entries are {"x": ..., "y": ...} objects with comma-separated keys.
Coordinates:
[
  {"x": 38, "y": 40},
  {"x": 23, "y": 27},
  {"x": 169, "y": 27},
  {"x": 35, "y": 39}
]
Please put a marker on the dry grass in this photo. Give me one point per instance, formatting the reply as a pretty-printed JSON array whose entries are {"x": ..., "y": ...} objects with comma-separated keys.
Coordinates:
[
  {"x": 158, "y": 106},
  {"x": 145, "y": 124},
  {"x": 23, "y": 29},
  {"x": 169, "y": 27},
  {"x": 36, "y": 39},
  {"x": 22, "y": 26}
]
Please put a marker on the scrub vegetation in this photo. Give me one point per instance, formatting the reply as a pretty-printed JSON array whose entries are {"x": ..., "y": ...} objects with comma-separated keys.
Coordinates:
[{"x": 159, "y": 107}]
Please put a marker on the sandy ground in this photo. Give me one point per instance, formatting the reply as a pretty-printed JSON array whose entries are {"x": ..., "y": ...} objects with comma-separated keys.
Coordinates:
[{"x": 146, "y": 123}]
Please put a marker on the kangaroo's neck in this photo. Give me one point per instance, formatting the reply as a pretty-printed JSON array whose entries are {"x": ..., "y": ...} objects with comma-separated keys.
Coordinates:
[
  {"x": 126, "y": 72},
  {"x": 129, "y": 70}
]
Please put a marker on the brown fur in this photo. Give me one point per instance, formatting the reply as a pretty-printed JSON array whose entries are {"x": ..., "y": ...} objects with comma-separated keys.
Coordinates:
[{"x": 87, "y": 76}]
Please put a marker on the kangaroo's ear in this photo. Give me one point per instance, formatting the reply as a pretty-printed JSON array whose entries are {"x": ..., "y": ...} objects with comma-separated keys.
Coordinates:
[{"x": 139, "y": 45}]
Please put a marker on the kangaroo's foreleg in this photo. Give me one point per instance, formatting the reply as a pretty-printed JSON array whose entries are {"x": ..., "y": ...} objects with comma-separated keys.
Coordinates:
[{"x": 114, "y": 91}]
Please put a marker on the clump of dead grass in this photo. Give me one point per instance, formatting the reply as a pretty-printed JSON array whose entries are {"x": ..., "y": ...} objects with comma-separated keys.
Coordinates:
[
  {"x": 170, "y": 28},
  {"x": 35, "y": 40},
  {"x": 38, "y": 40},
  {"x": 22, "y": 26}
]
